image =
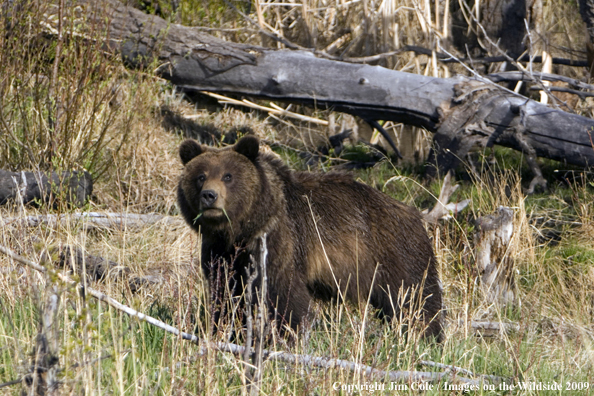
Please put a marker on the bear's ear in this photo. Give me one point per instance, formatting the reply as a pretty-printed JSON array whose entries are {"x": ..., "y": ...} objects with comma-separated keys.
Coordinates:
[
  {"x": 189, "y": 149},
  {"x": 248, "y": 146}
]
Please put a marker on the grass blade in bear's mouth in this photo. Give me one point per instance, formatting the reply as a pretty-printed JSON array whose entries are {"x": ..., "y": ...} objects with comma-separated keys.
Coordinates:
[{"x": 227, "y": 216}]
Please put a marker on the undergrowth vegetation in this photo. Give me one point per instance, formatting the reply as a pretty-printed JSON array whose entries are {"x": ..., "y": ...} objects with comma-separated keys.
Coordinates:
[{"x": 68, "y": 103}]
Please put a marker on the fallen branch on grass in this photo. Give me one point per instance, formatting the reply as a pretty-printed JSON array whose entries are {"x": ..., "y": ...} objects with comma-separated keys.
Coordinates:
[
  {"x": 490, "y": 329},
  {"x": 535, "y": 76},
  {"x": 94, "y": 219},
  {"x": 273, "y": 110},
  {"x": 306, "y": 360},
  {"x": 493, "y": 378}
]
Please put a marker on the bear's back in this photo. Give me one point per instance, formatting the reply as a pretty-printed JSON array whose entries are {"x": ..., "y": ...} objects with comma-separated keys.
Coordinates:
[{"x": 345, "y": 226}]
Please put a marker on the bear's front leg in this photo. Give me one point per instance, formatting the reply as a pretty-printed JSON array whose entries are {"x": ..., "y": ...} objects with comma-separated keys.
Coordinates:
[{"x": 288, "y": 301}]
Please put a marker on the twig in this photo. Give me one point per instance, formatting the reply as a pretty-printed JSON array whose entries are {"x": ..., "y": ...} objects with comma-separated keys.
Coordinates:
[
  {"x": 524, "y": 58},
  {"x": 11, "y": 383},
  {"x": 249, "y": 314},
  {"x": 224, "y": 30},
  {"x": 280, "y": 356},
  {"x": 535, "y": 76},
  {"x": 581, "y": 94},
  {"x": 271, "y": 110},
  {"x": 273, "y": 36},
  {"x": 530, "y": 59},
  {"x": 386, "y": 135},
  {"x": 447, "y": 367},
  {"x": 522, "y": 76},
  {"x": 374, "y": 58},
  {"x": 446, "y": 58},
  {"x": 476, "y": 75}
]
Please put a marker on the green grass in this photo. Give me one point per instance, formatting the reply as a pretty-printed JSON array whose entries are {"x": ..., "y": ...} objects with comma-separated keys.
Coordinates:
[
  {"x": 552, "y": 342},
  {"x": 144, "y": 359}
]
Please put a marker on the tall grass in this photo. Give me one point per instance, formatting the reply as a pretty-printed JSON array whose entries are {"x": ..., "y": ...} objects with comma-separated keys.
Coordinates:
[
  {"x": 553, "y": 313},
  {"x": 55, "y": 93}
]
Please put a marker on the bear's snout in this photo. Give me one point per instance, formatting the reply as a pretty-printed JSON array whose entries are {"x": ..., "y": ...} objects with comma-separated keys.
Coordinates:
[{"x": 208, "y": 198}]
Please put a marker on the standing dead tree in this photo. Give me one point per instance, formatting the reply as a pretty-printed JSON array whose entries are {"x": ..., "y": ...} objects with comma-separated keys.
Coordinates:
[{"x": 461, "y": 111}]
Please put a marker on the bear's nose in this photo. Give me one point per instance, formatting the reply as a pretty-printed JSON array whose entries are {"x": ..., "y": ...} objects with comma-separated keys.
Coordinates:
[{"x": 208, "y": 197}]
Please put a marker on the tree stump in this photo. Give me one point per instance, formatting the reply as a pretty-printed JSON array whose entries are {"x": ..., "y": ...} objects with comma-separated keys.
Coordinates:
[{"x": 494, "y": 264}]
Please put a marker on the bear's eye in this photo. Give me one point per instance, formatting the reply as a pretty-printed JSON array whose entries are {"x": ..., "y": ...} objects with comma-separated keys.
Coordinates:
[
  {"x": 227, "y": 177},
  {"x": 201, "y": 178}
]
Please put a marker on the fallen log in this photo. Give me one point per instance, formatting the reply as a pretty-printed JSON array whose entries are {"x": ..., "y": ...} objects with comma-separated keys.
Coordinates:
[
  {"x": 462, "y": 111},
  {"x": 94, "y": 220},
  {"x": 39, "y": 187}
]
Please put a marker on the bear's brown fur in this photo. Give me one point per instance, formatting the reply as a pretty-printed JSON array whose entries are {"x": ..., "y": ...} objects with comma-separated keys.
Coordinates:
[{"x": 324, "y": 231}]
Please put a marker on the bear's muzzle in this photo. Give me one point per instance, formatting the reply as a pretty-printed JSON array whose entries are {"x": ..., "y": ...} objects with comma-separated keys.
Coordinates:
[{"x": 208, "y": 198}]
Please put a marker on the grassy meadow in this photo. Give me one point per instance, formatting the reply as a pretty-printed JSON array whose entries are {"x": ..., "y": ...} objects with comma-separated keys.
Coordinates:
[{"x": 66, "y": 104}]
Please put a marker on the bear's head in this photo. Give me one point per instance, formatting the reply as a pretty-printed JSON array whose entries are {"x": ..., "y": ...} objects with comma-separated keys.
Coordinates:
[{"x": 218, "y": 185}]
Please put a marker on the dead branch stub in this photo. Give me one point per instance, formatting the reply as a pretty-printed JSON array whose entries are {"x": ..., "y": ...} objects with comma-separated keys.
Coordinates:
[
  {"x": 42, "y": 376},
  {"x": 257, "y": 323},
  {"x": 494, "y": 263},
  {"x": 442, "y": 208},
  {"x": 483, "y": 115}
]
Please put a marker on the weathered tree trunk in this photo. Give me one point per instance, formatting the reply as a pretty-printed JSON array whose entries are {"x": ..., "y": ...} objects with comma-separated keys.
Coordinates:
[
  {"x": 502, "y": 23},
  {"x": 73, "y": 187},
  {"x": 460, "y": 110},
  {"x": 493, "y": 261}
]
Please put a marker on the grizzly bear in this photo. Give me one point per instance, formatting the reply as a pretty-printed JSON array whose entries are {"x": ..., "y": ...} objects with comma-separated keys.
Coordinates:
[{"x": 326, "y": 233}]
